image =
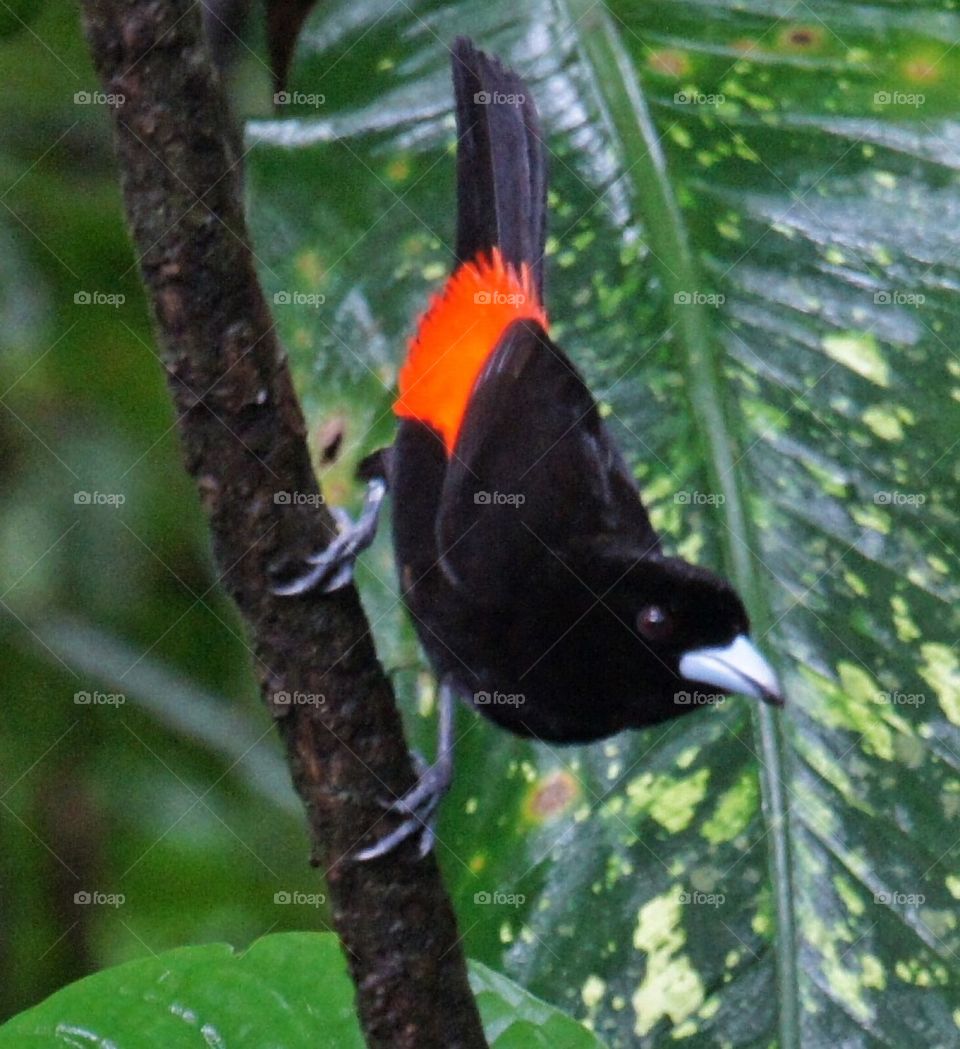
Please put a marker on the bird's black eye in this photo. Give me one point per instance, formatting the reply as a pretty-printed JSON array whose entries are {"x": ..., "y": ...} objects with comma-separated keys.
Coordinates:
[{"x": 654, "y": 623}]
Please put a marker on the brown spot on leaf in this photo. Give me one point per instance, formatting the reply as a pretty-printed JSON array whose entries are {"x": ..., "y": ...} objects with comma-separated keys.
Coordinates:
[
  {"x": 801, "y": 38},
  {"x": 922, "y": 70},
  {"x": 552, "y": 795},
  {"x": 669, "y": 63}
]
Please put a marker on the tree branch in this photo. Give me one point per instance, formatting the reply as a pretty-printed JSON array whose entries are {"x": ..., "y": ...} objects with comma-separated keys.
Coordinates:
[{"x": 243, "y": 439}]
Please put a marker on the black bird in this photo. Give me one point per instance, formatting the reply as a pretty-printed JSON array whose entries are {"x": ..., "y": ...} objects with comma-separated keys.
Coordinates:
[{"x": 538, "y": 588}]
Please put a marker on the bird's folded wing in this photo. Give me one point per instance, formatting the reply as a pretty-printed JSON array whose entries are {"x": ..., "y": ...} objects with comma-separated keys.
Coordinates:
[{"x": 534, "y": 474}]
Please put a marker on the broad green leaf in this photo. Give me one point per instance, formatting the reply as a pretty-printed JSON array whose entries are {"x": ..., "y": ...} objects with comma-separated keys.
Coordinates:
[
  {"x": 754, "y": 220},
  {"x": 514, "y": 1019},
  {"x": 268, "y": 996},
  {"x": 288, "y": 991}
]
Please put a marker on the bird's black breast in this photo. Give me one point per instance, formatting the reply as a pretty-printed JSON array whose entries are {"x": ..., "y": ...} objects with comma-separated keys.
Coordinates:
[{"x": 548, "y": 659}]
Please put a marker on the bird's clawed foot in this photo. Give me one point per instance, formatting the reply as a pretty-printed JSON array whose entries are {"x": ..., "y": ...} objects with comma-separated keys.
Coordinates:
[
  {"x": 332, "y": 568},
  {"x": 418, "y": 807}
]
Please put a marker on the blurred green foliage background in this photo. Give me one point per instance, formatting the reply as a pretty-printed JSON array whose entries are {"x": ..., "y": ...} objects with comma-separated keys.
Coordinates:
[{"x": 192, "y": 822}]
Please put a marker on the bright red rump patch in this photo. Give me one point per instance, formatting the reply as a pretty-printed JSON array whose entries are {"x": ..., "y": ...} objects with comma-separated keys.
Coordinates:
[{"x": 456, "y": 335}]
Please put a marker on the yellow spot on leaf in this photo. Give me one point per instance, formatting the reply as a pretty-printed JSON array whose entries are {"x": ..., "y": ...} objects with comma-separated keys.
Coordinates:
[
  {"x": 858, "y": 710},
  {"x": 941, "y": 671},
  {"x": 592, "y": 991},
  {"x": 671, "y": 802},
  {"x": 914, "y": 971},
  {"x": 858, "y": 351},
  {"x": 907, "y": 630},
  {"x": 680, "y": 136},
  {"x": 884, "y": 423},
  {"x": 848, "y": 895},
  {"x": 734, "y": 810},
  {"x": 686, "y": 758},
  {"x": 874, "y": 974},
  {"x": 856, "y": 584},
  {"x": 847, "y": 979},
  {"x": 872, "y": 517},
  {"x": 671, "y": 987}
]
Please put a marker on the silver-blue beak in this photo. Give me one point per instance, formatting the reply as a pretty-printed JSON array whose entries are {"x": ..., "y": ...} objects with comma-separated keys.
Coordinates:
[{"x": 737, "y": 667}]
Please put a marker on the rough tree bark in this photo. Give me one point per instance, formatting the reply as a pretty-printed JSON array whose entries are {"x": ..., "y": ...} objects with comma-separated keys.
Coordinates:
[{"x": 243, "y": 438}]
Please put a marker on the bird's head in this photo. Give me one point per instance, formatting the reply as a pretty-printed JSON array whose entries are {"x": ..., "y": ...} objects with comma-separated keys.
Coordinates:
[{"x": 689, "y": 631}]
